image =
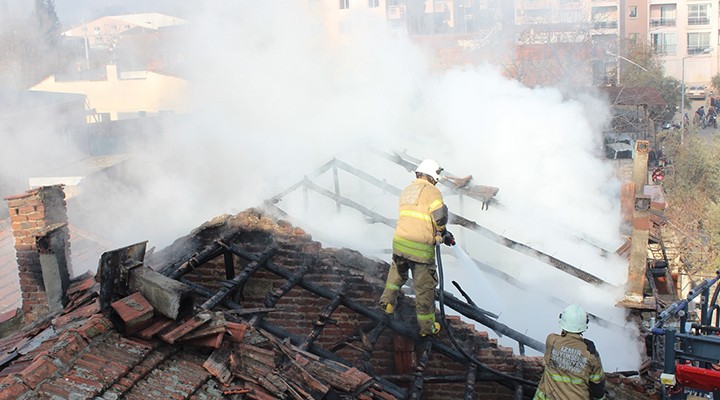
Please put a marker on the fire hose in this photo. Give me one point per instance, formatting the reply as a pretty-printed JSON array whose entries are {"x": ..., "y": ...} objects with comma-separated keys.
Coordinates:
[{"x": 468, "y": 356}]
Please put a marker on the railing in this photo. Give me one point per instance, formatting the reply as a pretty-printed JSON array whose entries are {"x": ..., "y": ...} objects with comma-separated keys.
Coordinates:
[
  {"x": 666, "y": 49},
  {"x": 698, "y": 21},
  {"x": 697, "y": 49},
  {"x": 662, "y": 22},
  {"x": 605, "y": 24}
]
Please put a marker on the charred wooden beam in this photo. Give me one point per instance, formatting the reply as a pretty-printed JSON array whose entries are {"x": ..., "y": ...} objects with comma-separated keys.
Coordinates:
[
  {"x": 240, "y": 279},
  {"x": 336, "y": 183},
  {"x": 472, "y": 303},
  {"x": 316, "y": 173},
  {"x": 374, "y": 314},
  {"x": 367, "y": 177},
  {"x": 417, "y": 385},
  {"x": 539, "y": 255},
  {"x": 470, "y": 382},
  {"x": 324, "y": 318},
  {"x": 229, "y": 265},
  {"x": 347, "y": 202},
  {"x": 198, "y": 259},
  {"x": 519, "y": 371},
  {"x": 479, "y": 316},
  {"x": 369, "y": 341},
  {"x": 207, "y": 293},
  {"x": 272, "y": 298}
]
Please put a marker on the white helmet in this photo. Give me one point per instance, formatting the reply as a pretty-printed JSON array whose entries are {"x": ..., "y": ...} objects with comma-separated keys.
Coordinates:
[
  {"x": 430, "y": 168},
  {"x": 574, "y": 319}
]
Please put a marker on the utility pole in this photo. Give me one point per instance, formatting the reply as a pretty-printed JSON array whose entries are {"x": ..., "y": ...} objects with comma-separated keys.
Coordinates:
[{"x": 85, "y": 40}]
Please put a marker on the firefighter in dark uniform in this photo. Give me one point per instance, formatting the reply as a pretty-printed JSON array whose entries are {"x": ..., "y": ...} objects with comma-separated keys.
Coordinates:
[
  {"x": 420, "y": 226},
  {"x": 573, "y": 370}
]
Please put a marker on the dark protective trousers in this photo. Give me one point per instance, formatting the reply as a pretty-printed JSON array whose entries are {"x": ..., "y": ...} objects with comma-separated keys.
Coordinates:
[{"x": 424, "y": 280}]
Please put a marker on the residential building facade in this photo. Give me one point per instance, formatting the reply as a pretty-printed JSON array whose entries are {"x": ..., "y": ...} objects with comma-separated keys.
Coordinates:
[
  {"x": 125, "y": 95},
  {"x": 105, "y": 32},
  {"x": 683, "y": 33}
]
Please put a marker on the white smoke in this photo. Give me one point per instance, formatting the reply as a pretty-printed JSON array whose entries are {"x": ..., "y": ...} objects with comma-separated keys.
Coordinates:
[{"x": 276, "y": 97}]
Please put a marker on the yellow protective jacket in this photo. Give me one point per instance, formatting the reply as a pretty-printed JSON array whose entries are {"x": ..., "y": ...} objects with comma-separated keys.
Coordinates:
[
  {"x": 422, "y": 216},
  {"x": 573, "y": 370}
]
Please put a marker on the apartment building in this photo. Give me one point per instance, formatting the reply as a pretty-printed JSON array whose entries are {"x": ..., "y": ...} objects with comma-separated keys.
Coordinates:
[
  {"x": 118, "y": 95},
  {"x": 683, "y": 33},
  {"x": 340, "y": 17},
  {"x": 106, "y": 31}
]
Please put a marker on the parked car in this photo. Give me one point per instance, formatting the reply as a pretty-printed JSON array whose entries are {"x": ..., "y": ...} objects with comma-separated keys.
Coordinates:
[
  {"x": 696, "y": 92},
  {"x": 619, "y": 146}
]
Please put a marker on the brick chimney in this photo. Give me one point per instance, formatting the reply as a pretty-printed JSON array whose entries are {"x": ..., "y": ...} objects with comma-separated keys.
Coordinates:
[{"x": 39, "y": 216}]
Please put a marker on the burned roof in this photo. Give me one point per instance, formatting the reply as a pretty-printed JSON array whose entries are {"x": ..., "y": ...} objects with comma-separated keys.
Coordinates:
[
  {"x": 278, "y": 316},
  {"x": 255, "y": 280}
]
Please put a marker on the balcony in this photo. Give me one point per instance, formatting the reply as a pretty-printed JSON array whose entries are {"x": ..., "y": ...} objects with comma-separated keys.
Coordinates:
[
  {"x": 667, "y": 49},
  {"x": 697, "y": 49},
  {"x": 605, "y": 24},
  {"x": 662, "y": 22},
  {"x": 698, "y": 21},
  {"x": 395, "y": 12}
]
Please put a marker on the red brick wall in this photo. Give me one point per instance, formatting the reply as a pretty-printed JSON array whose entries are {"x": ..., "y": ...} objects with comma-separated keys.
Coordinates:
[
  {"x": 30, "y": 213},
  {"x": 299, "y": 309}
]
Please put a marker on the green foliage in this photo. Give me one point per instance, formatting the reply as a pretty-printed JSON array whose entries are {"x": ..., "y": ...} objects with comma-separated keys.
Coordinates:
[
  {"x": 693, "y": 192},
  {"x": 646, "y": 70},
  {"x": 716, "y": 83},
  {"x": 47, "y": 22},
  {"x": 31, "y": 50}
]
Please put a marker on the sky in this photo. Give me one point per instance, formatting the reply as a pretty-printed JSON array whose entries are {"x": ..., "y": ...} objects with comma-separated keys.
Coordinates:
[{"x": 275, "y": 99}]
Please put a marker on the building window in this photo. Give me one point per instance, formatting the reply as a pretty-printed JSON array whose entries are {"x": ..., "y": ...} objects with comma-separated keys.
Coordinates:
[
  {"x": 605, "y": 17},
  {"x": 664, "y": 43},
  {"x": 344, "y": 4},
  {"x": 373, "y": 3},
  {"x": 663, "y": 15},
  {"x": 698, "y": 14},
  {"x": 96, "y": 29},
  {"x": 633, "y": 11},
  {"x": 698, "y": 42},
  {"x": 345, "y": 28},
  {"x": 633, "y": 38}
]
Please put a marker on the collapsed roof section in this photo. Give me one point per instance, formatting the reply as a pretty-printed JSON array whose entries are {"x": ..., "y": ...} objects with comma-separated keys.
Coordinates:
[
  {"x": 277, "y": 316},
  {"x": 463, "y": 188}
]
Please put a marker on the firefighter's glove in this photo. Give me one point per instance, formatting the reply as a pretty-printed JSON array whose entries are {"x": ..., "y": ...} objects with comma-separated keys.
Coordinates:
[{"x": 448, "y": 239}]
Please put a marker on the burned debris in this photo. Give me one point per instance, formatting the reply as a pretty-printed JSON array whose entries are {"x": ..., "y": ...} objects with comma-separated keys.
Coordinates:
[
  {"x": 245, "y": 306},
  {"x": 249, "y": 306}
]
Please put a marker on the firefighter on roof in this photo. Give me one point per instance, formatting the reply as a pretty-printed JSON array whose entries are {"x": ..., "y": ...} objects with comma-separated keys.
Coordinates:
[
  {"x": 573, "y": 370},
  {"x": 420, "y": 226}
]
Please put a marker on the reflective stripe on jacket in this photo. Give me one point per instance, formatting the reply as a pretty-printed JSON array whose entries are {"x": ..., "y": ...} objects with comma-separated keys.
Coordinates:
[
  {"x": 422, "y": 215},
  {"x": 570, "y": 368}
]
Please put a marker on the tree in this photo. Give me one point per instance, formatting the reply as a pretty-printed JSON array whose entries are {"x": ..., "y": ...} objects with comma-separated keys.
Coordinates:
[
  {"x": 716, "y": 83},
  {"x": 693, "y": 195},
  {"x": 31, "y": 50},
  {"x": 640, "y": 67},
  {"x": 48, "y": 23}
]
